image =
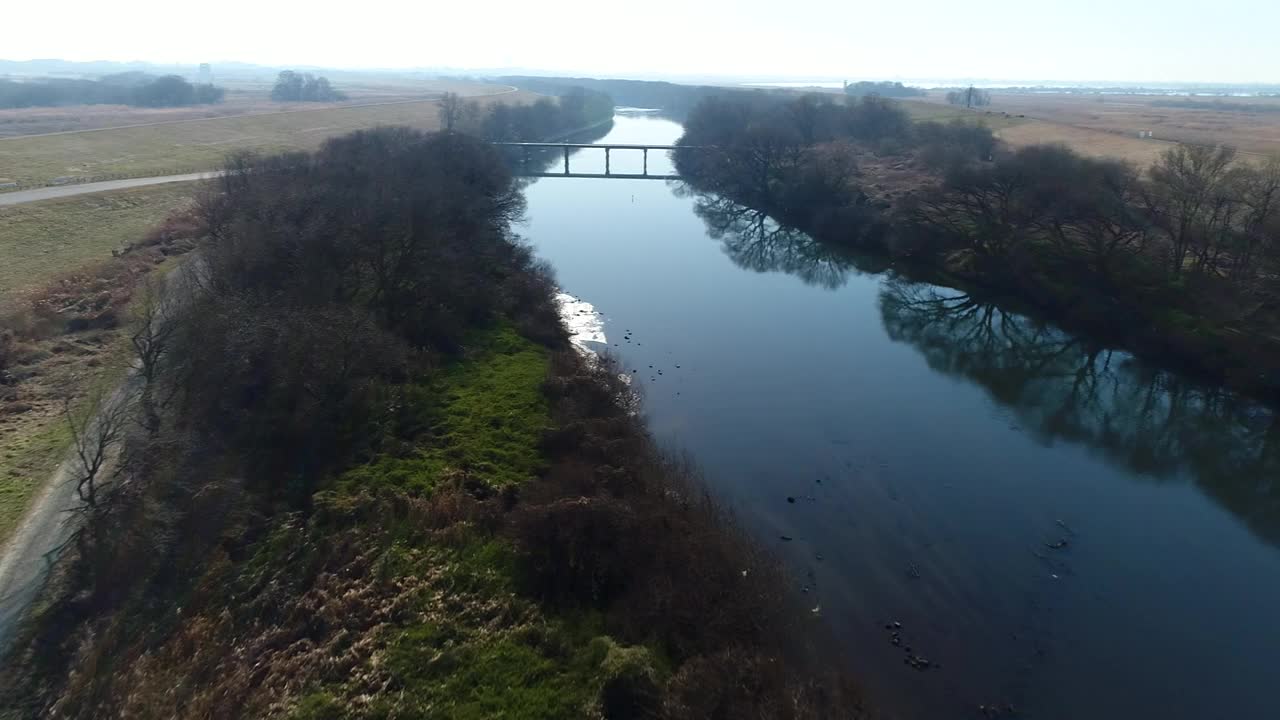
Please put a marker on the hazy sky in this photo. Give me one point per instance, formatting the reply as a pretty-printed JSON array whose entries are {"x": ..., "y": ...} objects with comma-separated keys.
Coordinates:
[{"x": 1157, "y": 40}]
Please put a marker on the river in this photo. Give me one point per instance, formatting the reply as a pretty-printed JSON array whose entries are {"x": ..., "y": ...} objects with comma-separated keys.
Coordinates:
[{"x": 1061, "y": 531}]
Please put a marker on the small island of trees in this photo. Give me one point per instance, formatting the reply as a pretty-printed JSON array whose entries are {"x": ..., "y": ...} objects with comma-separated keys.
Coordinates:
[
  {"x": 883, "y": 89},
  {"x": 304, "y": 87}
]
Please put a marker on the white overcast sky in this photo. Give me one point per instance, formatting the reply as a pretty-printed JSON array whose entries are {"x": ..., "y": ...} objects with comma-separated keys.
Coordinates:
[{"x": 1153, "y": 40}]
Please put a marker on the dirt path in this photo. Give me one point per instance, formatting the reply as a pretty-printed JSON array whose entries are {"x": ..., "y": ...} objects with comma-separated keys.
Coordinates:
[
  {"x": 59, "y": 191},
  {"x": 25, "y": 559}
]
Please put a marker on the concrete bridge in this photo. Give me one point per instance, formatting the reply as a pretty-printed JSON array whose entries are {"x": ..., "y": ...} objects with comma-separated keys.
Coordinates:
[{"x": 524, "y": 167}]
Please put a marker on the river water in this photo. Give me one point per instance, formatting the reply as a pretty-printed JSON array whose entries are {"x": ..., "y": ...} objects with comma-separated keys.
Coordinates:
[{"x": 1065, "y": 531}]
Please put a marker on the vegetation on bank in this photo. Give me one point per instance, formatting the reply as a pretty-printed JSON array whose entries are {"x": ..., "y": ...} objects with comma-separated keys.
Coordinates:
[
  {"x": 1179, "y": 262},
  {"x": 370, "y": 478},
  {"x": 131, "y": 88}
]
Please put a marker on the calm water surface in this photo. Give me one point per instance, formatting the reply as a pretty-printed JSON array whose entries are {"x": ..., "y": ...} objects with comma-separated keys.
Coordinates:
[{"x": 1063, "y": 529}]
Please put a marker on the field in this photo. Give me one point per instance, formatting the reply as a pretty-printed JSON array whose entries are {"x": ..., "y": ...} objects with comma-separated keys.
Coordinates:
[
  {"x": 43, "y": 240},
  {"x": 201, "y": 144},
  {"x": 1108, "y": 125},
  {"x": 244, "y": 97}
]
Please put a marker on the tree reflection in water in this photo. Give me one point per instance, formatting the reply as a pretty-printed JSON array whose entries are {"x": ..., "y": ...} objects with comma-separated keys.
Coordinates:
[
  {"x": 754, "y": 241},
  {"x": 1152, "y": 423}
]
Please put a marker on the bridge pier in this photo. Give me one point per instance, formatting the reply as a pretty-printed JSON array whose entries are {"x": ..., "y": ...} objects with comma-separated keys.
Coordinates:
[
  {"x": 646, "y": 161},
  {"x": 606, "y": 161},
  {"x": 566, "y": 159}
]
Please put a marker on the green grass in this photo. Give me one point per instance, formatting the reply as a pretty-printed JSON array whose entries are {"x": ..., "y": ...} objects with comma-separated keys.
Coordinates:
[
  {"x": 200, "y": 144},
  {"x": 486, "y": 414},
  {"x": 470, "y": 646},
  {"x": 29, "y": 453},
  {"x": 497, "y": 655},
  {"x": 42, "y": 240}
]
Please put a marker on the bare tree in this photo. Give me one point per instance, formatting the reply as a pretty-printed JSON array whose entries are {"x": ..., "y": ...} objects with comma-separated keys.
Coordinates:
[
  {"x": 96, "y": 431},
  {"x": 451, "y": 110},
  {"x": 970, "y": 97},
  {"x": 152, "y": 340},
  {"x": 472, "y": 117},
  {"x": 1191, "y": 199}
]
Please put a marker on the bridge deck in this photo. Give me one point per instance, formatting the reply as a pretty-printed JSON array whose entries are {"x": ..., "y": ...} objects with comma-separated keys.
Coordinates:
[
  {"x": 599, "y": 176},
  {"x": 524, "y": 171},
  {"x": 597, "y": 145}
]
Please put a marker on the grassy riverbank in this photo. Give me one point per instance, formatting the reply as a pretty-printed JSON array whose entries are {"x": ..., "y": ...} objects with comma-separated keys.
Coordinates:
[{"x": 373, "y": 479}]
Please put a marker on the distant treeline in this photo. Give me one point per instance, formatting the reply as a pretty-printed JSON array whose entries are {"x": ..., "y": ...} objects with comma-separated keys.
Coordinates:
[
  {"x": 304, "y": 87},
  {"x": 545, "y": 119},
  {"x": 883, "y": 89},
  {"x": 676, "y": 100},
  {"x": 138, "y": 89},
  {"x": 1182, "y": 261},
  {"x": 1219, "y": 105}
]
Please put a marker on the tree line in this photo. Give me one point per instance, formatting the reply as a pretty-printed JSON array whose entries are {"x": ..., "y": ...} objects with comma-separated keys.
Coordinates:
[
  {"x": 138, "y": 89},
  {"x": 799, "y": 159},
  {"x": 544, "y": 119},
  {"x": 1181, "y": 259},
  {"x": 886, "y": 88},
  {"x": 304, "y": 87},
  {"x": 673, "y": 99}
]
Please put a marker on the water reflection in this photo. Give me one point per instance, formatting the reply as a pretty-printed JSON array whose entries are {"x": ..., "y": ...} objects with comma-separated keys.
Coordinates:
[
  {"x": 754, "y": 241},
  {"x": 1150, "y": 422},
  {"x": 1060, "y": 387}
]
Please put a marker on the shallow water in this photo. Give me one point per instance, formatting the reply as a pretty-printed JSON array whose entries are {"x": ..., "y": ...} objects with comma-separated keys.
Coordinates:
[{"x": 1065, "y": 530}]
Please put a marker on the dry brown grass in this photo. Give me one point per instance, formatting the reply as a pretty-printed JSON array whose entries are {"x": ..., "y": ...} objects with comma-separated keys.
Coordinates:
[
  {"x": 242, "y": 99},
  {"x": 74, "y": 118},
  {"x": 1094, "y": 143},
  {"x": 1108, "y": 125},
  {"x": 175, "y": 147}
]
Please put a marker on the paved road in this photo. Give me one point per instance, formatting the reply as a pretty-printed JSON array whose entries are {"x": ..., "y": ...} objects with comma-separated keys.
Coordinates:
[{"x": 58, "y": 191}]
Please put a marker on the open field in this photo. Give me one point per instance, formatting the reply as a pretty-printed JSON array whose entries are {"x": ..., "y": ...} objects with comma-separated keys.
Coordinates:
[
  {"x": 202, "y": 144},
  {"x": 1109, "y": 124},
  {"x": 42, "y": 120},
  {"x": 244, "y": 97},
  {"x": 43, "y": 240},
  {"x": 1026, "y": 130}
]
